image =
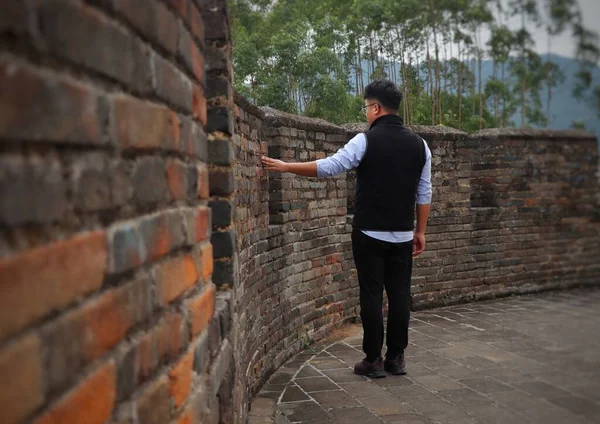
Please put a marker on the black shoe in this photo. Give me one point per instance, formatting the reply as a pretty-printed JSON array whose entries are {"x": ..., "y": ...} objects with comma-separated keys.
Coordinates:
[
  {"x": 395, "y": 366},
  {"x": 370, "y": 369}
]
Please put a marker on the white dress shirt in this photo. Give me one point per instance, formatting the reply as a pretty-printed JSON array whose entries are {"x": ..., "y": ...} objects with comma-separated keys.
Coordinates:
[{"x": 349, "y": 157}]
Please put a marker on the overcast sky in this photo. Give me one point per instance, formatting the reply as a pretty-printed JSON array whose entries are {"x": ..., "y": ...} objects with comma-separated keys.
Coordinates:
[{"x": 563, "y": 44}]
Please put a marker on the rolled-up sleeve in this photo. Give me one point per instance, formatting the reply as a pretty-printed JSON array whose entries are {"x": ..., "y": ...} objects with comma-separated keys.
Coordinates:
[
  {"x": 424, "y": 189},
  {"x": 346, "y": 158}
]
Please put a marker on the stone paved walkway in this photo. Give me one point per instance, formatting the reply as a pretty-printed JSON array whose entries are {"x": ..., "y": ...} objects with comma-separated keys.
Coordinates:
[{"x": 529, "y": 359}]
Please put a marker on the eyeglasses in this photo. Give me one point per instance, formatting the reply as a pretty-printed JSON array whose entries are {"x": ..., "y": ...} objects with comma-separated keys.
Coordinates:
[{"x": 364, "y": 108}]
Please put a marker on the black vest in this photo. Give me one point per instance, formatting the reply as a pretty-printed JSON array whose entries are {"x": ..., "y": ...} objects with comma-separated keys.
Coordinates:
[{"x": 388, "y": 176}]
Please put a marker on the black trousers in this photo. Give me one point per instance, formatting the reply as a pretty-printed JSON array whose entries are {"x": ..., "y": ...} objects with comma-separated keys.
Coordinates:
[{"x": 382, "y": 264}]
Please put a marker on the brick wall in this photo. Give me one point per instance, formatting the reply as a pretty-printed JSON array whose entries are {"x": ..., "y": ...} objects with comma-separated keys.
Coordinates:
[
  {"x": 513, "y": 211},
  {"x": 151, "y": 269},
  {"x": 295, "y": 273},
  {"x": 108, "y": 311}
]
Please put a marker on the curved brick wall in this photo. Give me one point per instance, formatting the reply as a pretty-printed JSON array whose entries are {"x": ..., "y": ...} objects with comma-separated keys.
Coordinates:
[
  {"x": 295, "y": 276},
  {"x": 106, "y": 295}
]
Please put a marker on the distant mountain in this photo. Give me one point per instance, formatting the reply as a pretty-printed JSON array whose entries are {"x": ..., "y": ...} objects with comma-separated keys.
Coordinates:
[{"x": 564, "y": 107}]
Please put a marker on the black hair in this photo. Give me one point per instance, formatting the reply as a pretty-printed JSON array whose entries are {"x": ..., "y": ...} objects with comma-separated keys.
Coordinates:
[{"x": 385, "y": 92}]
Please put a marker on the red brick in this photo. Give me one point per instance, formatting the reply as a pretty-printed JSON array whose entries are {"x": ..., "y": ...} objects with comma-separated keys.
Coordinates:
[
  {"x": 197, "y": 24},
  {"x": 201, "y": 224},
  {"x": 153, "y": 404},
  {"x": 202, "y": 309},
  {"x": 41, "y": 280},
  {"x": 175, "y": 276},
  {"x": 172, "y": 85},
  {"x": 207, "y": 261},
  {"x": 170, "y": 337},
  {"x": 146, "y": 359},
  {"x": 91, "y": 402},
  {"x": 203, "y": 183},
  {"x": 154, "y": 21},
  {"x": 197, "y": 63},
  {"x": 177, "y": 179},
  {"x": 180, "y": 378},
  {"x": 21, "y": 370},
  {"x": 87, "y": 333},
  {"x": 199, "y": 105},
  {"x": 181, "y": 7},
  {"x": 43, "y": 107},
  {"x": 87, "y": 37},
  {"x": 142, "y": 125}
]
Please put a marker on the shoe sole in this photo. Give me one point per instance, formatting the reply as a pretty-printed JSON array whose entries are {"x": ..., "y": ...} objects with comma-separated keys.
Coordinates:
[
  {"x": 401, "y": 372},
  {"x": 380, "y": 374}
]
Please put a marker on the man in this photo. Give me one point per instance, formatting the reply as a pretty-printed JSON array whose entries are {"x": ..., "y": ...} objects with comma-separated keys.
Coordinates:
[{"x": 393, "y": 173}]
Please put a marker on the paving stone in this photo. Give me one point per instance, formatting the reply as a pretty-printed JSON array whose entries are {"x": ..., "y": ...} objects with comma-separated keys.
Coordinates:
[
  {"x": 316, "y": 384},
  {"x": 541, "y": 389},
  {"x": 335, "y": 399},
  {"x": 263, "y": 407},
  {"x": 437, "y": 382},
  {"x": 282, "y": 376},
  {"x": 492, "y": 414},
  {"x": 485, "y": 385},
  {"x": 339, "y": 347},
  {"x": 303, "y": 411},
  {"x": 355, "y": 415},
  {"x": 308, "y": 371},
  {"x": 405, "y": 419},
  {"x": 385, "y": 404},
  {"x": 362, "y": 390},
  {"x": 464, "y": 397},
  {"x": 294, "y": 394},
  {"x": 345, "y": 375},
  {"x": 327, "y": 363}
]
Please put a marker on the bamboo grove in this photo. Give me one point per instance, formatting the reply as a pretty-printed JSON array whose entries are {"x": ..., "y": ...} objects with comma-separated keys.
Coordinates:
[{"x": 314, "y": 57}]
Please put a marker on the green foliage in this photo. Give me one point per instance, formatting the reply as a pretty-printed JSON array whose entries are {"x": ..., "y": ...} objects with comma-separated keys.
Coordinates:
[{"x": 314, "y": 57}]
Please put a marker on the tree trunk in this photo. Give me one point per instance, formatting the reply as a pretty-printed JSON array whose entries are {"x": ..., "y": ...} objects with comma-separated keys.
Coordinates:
[
  {"x": 431, "y": 90},
  {"x": 460, "y": 67}
]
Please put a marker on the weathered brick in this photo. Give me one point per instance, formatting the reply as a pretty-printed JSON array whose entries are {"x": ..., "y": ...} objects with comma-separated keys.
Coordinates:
[
  {"x": 89, "y": 331},
  {"x": 21, "y": 365},
  {"x": 32, "y": 190},
  {"x": 190, "y": 54},
  {"x": 202, "y": 224},
  {"x": 126, "y": 374},
  {"x": 201, "y": 353},
  {"x": 153, "y": 404},
  {"x": 44, "y": 272},
  {"x": 220, "y": 152},
  {"x": 221, "y": 181},
  {"x": 223, "y": 243},
  {"x": 177, "y": 178},
  {"x": 150, "y": 182},
  {"x": 171, "y": 338},
  {"x": 85, "y": 36},
  {"x": 161, "y": 233},
  {"x": 181, "y": 7},
  {"x": 142, "y": 125},
  {"x": 127, "y": 249},
  {"x": 180, "y": 378},
  {"x": 216, "y": 20},
  {"x": 203, "y": 182},
  {"x": 121, "y": 184},
  {"x": 172, "y": 85},
  {"x": 206, "y": 257},
  {"x": 90, "y": 402},
  {"x": 174, "y": 276},
  {"x": 197, "y": 24},
  {"x": 46, "y": 107},
  {"x": 201, "y": 309},
  {"x": 222, "y": 213},
  {"x": 154, "y": 21},
  {"x": 199, "y": 105},
  {"x": 220, "y": 119},
  {"x": 193, "y": 139},
  {"x": 91, "y": 182},
  {"x": 223, "y": 273}
]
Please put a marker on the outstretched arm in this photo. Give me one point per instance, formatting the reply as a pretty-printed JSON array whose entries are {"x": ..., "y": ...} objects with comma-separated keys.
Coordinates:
[
  {"x": 346, "y": 158},
  {"x": 306, "y": 169}
]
